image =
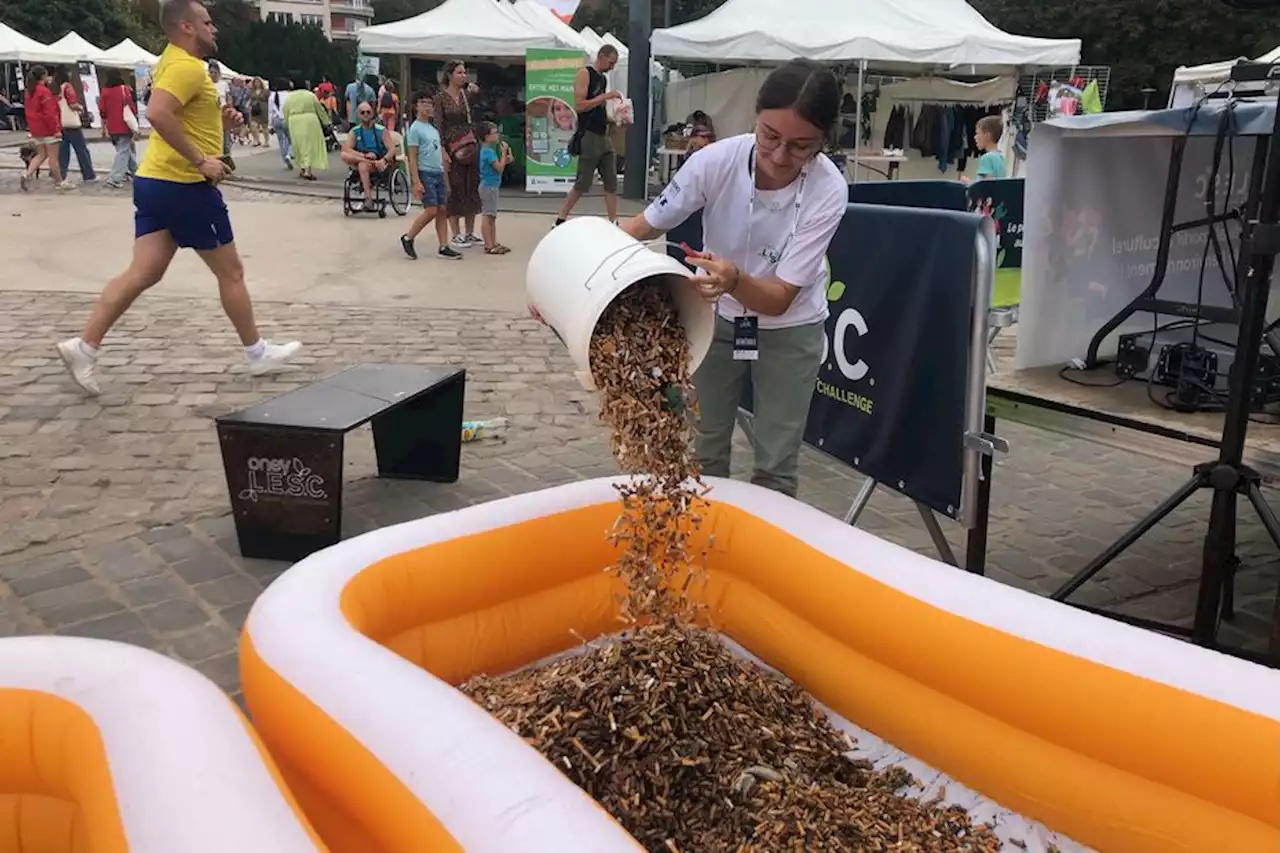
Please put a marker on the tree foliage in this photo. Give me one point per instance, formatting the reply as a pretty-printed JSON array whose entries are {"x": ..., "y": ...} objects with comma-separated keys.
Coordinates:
[
  {"x": 1142, "y": 40},
  {"x": 386, "y": 11},
  {"x": 613, "y": 16},
  {"x": 102, "y": 22},
  {"x": 271, "y": 49}
]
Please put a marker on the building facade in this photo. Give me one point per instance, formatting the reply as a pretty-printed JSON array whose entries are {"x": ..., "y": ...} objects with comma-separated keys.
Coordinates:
[{"x": 340, "y": 19}]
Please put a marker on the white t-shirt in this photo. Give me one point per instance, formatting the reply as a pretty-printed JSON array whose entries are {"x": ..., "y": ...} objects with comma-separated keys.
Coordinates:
[{"x": 717, "y": 181}]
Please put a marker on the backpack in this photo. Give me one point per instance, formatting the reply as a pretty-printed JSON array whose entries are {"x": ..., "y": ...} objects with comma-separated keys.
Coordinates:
[{"x": 388, "y": 101}]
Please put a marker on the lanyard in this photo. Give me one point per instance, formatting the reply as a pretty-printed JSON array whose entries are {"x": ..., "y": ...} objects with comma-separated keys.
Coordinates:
[{"x": 751, "y": 210}]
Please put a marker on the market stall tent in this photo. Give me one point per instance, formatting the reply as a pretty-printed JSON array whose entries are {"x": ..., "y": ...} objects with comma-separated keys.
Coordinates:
[
  {"x": 1192, "y": 81},
  {"x": 81, "y": 48},
  {"x": 1218, "y": 72},
  {"x": 460, "y": 28},
  {"x": 15, "y": 47},
  {"x": 948, "y": 34},
  {"x": 541, "y": 18},
  {"x": 127, "y": 54},
  {"x": 591, "y": 37}
]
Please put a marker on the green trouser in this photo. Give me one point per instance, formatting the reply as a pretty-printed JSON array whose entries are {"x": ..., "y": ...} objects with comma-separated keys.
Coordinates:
[{"x": 782, "y": 382}]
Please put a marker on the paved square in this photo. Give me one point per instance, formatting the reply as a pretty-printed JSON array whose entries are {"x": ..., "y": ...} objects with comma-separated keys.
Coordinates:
[{"x": 114, "y": 514}]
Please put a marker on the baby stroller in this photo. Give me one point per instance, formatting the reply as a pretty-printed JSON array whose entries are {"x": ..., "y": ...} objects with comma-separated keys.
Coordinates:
[{"x": 331, "y": 142}]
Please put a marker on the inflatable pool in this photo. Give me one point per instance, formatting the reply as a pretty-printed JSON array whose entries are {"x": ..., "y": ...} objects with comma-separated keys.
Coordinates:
[
  {"x": 109, "y": 748},
  {"x": 1115, "y": 737}
]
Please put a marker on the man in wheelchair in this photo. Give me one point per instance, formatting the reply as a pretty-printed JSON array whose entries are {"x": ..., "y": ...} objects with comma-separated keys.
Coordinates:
[{"x": 370, "y": 151}]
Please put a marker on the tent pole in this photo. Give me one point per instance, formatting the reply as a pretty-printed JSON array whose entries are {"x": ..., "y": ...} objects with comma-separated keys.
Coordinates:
[
  {"x": 636, "y": 178},
  {"x": 857, "y": 130}
]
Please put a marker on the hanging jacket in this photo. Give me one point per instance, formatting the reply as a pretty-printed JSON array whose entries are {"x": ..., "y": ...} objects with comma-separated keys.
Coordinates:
[
  {"x": 895, "y": 128},
  {"x": 944, "y": 134},
  {"x": 924, "y": 135}
]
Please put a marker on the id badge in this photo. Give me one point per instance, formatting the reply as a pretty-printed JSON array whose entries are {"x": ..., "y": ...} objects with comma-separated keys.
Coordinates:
[{"x": 746, "y": 339}]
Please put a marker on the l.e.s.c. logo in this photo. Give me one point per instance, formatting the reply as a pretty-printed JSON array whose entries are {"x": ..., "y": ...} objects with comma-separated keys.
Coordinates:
[{"x": 847, "y": 320}]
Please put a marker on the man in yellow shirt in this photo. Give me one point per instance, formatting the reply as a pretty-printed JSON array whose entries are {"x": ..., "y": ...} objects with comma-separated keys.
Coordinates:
[{"x": 176, "y": 199}]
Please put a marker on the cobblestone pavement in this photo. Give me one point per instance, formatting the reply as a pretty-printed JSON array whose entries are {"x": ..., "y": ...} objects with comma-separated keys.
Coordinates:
[{"x": 114, "y": 515}]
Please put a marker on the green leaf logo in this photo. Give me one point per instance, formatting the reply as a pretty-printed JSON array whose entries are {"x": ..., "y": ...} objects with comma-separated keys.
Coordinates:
[{"x": 835, "y": 289}]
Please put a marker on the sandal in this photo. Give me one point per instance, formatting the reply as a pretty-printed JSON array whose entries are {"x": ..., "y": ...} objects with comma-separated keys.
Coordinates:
[
  {"x": 493, "y": 250},
  {"x": 503, "y": 250}
]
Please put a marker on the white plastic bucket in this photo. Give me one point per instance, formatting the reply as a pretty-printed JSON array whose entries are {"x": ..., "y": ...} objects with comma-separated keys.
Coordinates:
[{"x": 580, "y": 267}]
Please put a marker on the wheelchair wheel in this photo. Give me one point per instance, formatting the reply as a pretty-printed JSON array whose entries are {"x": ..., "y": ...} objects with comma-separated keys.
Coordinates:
[
  {"x": 346, "y": 197},
  {"x": 398, "y": 190}
]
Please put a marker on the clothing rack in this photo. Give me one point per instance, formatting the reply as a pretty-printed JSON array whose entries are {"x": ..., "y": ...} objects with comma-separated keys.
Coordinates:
[{"x": 981, "y": 102}]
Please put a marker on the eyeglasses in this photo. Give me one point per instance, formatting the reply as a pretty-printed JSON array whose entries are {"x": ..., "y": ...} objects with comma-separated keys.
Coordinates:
[
  {"x": 365, "y": 113},
  {"x": 769, "y": 141}
]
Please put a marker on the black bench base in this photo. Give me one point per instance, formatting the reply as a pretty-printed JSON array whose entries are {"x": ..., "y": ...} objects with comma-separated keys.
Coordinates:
[{"x": 284, "y": 457}]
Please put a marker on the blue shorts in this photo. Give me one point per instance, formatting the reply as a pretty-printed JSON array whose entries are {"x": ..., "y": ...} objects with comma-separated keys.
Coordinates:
[
  {"x": 194, "y": 214},
  {"x": 433, "y": 192}
]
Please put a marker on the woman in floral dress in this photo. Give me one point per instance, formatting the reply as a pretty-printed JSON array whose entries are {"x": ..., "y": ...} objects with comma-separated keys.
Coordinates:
[{"x": 453, "y": 120}]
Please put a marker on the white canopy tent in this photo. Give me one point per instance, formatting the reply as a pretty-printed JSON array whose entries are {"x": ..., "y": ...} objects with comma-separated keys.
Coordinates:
[
  {"x": 460, "y": 28},
  {"x": 592, "y": 38},
  {"x": 15, "y": 47},
  {"x": 943, "y": 36},
  {"x": 887, "y": 34},
  {"x": 76, "y": 45},
  {"x": 127, "y": 54},
  {"x": 1218, "y": 72},
  {"x": 541, "y": 18},
  {"x": 610, "y": 38}
]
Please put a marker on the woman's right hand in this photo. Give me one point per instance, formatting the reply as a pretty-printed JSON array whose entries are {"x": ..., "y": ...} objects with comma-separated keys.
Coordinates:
[{"x": 417, "y": 190}]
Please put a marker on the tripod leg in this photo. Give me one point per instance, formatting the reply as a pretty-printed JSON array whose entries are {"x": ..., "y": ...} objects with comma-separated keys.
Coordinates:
[
  {"x": 1229, "y": 589},
  {"x": 1265, "y": 514},
  {"x": 1215, "y": 572},
  {"x": 1133, "y": 535}
]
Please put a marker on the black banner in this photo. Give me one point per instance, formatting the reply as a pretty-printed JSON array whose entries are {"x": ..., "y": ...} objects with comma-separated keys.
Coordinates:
[
  {"x": 1002, "y": 200},
  {"x": 890, "y": 396},
  {"x": 937, "y": 195}
]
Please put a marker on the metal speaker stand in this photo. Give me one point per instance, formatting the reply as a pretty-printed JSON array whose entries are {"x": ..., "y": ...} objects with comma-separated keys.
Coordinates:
[{"x": 1228, "y": 476}]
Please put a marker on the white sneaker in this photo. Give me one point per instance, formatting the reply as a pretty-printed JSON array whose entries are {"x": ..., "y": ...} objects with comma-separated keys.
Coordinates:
[
  {"x": 64, "y": 186},
  {"x": 475, "y": 239},
  {"x": 80, "y": 365},
  {"x": 273, "y": 356},
  {"x": 461, "y": 242}
]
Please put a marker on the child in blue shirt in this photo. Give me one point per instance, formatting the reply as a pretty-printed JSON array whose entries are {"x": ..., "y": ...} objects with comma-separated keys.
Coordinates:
[
  {"x": 495, "y": 156},
  {"x": 987, "y": 138},
  {"x": 427, "y": 171}
]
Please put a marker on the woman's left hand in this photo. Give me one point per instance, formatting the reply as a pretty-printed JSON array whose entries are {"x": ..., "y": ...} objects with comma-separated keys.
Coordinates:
[
  {"x": 721, "y": 274},
  {"x": 472, "y": 88}
]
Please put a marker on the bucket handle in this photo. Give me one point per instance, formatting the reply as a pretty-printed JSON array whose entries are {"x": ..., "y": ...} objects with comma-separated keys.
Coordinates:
[{"x": 631, "y": 253}]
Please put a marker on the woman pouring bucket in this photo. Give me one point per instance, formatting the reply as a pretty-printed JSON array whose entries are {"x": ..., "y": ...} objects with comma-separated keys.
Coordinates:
[{"x": 771, "y": 203}]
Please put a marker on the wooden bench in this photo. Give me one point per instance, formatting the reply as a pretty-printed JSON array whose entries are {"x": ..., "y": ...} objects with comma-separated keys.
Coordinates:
[{"x": 283, "y": 457}]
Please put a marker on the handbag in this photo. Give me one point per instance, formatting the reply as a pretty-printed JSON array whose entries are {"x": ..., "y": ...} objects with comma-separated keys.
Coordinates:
[
  {"x": 463, "y": 149},
  {"x": 69, "y": 116},
  {"x": 130, "y": 118}
]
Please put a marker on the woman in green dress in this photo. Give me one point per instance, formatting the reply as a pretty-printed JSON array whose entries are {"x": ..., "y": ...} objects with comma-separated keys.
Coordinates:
[{"x": 305, "y": 117}]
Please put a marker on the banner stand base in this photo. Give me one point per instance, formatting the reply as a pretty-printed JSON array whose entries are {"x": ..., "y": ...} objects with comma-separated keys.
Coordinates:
[{"x": 863, "y": 498}]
